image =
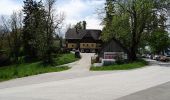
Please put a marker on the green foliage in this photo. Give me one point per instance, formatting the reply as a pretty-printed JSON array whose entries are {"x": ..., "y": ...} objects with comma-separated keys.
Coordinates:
[
  {"x": 81, "y": 25},
  {"x": 28, "y": 69},
  {"x": 31, "y": 37},
  {"x": 159, "y": 40},
  {"x": 22, "y": 70},
  {"x": 34, "y": 29},
  {"x": 129, "y": 22},
  {"x": 119, "y": 30},
  {"x": 65, "y": 58},
  {"x": 127, "y": 66}
]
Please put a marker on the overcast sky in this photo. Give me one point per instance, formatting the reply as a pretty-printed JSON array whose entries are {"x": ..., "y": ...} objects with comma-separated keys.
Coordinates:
[{"x": 75, "y": 10}]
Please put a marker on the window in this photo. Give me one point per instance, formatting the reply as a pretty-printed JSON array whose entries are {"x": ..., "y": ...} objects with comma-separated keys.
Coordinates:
[{"x": 92, "y": 45}]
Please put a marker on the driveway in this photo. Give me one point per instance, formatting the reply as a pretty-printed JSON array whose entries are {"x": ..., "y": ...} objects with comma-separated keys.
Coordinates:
[
  {"x": 83, "y": 65},
  {"x": 78, "y": 69},
  {"x": 77, "y": 84}
]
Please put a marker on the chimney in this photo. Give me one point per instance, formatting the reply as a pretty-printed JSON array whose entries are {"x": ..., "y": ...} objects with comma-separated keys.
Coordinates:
[
  {"x": 77, "y": 30},
  {"x": 84, "y": 25}
]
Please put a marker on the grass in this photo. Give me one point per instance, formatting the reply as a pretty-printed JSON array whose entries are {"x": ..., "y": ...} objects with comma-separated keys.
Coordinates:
[
  {"x": 127, "y": 66},
  {"x": 28, "y": 69},
  {"x": 65, "y": 59}
]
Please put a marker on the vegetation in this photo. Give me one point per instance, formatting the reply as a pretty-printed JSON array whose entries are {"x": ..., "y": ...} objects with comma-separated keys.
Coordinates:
[
  {"x": 28, "y": 69},
  {"x": 32, "y": 36},
  {"x": 66, "y": 58},
  {"x": 159, "y": 41},
  {"x": 22, "y": 70},
  {"x": 130, "y": 22},
  {"x": 81, "y": 25},
  {"x": 40, "y": 25},
  {"x": 126, "y": 66}
]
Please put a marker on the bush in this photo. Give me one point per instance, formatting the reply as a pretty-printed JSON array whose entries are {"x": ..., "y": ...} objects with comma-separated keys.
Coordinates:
[
  {"x": 121, "y": 61},
  {"x": 126, "y": 66},
  {"x": 4, "y": 60},
  {"x": 108, "y": 62}
]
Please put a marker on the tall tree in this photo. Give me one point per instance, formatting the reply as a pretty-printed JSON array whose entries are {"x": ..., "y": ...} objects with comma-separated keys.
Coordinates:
[
  {"x": 53, "y": 23},
  {"x": 12, "y": 33},
  {"x": 78, "y": 26},
  {"x": 28, "y": 34},
  {"x": 159, "y": 40},
  {"x": 81, "y": 25},
  {"x": 34, "y": 27},
  {"x": 127, "y": 21},
  {"x": 16, "y": 30},
  {"x": 1, "y": 37}
]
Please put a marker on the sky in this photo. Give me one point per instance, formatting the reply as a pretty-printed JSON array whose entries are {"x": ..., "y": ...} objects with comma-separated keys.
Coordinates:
[{"x": 74, "y": 10}]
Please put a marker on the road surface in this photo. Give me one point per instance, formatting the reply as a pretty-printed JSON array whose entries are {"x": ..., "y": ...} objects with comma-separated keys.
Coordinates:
[{"x": 81, "y": 84}]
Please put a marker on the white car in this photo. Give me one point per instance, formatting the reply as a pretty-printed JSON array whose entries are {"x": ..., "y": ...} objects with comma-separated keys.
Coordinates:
[{"x": 156, "y": 57}]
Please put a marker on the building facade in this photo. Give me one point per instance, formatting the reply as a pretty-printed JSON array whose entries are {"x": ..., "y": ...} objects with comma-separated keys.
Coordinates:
[
  {"x": 111, "y": 50},
  {"x": 86, "y": 40}
]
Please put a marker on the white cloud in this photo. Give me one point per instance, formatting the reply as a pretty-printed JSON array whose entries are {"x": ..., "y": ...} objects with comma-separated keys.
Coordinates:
[
  {"x": 79, "y": 10},
  {"x": 75, "y": 10},
  {"x": 95, "y": 2},
  {"x": 8, "y": 6},
  {"x": 93, "y": 22}
]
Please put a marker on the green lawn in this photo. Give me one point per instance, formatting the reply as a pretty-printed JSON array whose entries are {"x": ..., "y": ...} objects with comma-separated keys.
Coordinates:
[
  {"x": 65, "y": 59},
  {"x": 128, "y": 66},
  {"x": 28, "y": 69}
]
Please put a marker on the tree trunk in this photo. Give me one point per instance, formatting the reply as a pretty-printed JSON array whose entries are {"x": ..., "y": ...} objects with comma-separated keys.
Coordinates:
[
  {"x": 132, "y": 57},
  {"x": 132, "y": 54}
]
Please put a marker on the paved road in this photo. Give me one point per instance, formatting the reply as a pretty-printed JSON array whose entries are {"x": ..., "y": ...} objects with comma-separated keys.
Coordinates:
[
  {"x": 84, "y": 85},
  {"x": 161, "y": 92},
  {"x": 78, "y": 69}
]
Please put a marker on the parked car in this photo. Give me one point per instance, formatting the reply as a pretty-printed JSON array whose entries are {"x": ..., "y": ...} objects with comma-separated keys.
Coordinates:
[
  {"x": 156, "y": 57},
  {"x": 77, "y": 54},
  {"x": 168, "y": 57},
  {"x": 143, "y": 55},
  {"x": 149, "y": 56},
  {"x": 164, "y": 58}
]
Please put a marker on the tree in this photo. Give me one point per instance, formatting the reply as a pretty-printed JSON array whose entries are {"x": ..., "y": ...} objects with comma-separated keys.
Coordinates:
[
  {"x": 159, "y": 40},
  {"x": 127, "y": 21},
  {"x": 12, "y": 28},
  {"x": 6, "y": 33},
  {"x": 34, "y": 29},
  {"x": 16, "y": 30},
  {"x": 1, "y": 37},
  {"x": 81, "y": 25},
  {"x": 53, "y": 23},
  {"x": 78, "y": 26}
]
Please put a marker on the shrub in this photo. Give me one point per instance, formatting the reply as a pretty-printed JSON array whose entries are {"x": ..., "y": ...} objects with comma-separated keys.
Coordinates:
[{"x": 4, "y": 60}]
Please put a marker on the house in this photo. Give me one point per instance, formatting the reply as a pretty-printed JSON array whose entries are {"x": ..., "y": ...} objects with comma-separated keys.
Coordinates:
[
  {"x": 86, "y": 40},
  {"x": 111, "y": 50}
]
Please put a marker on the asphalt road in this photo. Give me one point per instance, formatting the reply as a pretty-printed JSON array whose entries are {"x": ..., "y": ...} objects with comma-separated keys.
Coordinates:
[
  {"x": 85, "y": 85},
  {"x": 161, "y": 92}
]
